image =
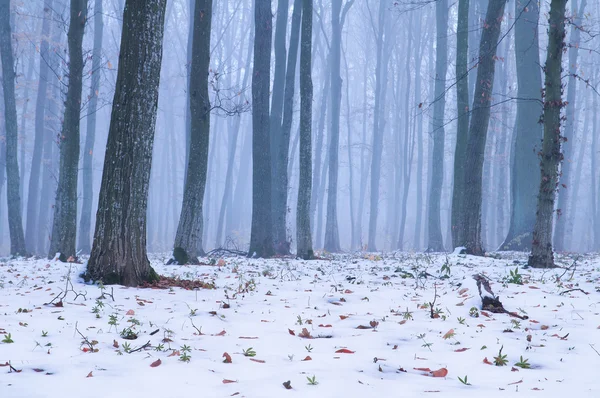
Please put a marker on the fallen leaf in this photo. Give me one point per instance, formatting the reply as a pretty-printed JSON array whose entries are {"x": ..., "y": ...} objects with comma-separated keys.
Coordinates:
[
  {"x": 257, "y": 360},
  {"x": 221, "y": 333},
  {"x": 463, "y": 291},
  {"x": 290, "y": 331},
  {"x": 38, "y": 370},
  {"x": 115, "y": 344},
  {"x": 516, "y": 382},
  {"x": 227, "y": 381},
  {"x": 287, "y": 385},
  {"x": 305, "y": 334},
  {"x": 402, "y": 322},
  {"x": 486, "y": 361},
  {"x": 546, "y": 327},
  {"x": 513, "y": 369},
  {"x": 442, "y": 372},
  {"x": 344, "y": 351},
  {"x": 342, "y": 317},
  {"x": 130, "y": 312},
  {"x": 90, "y": 375},
  {"x": 248, "y": 338},
  {"x": 308, "y": 358},
  {"x": 363, "y": 327},
  {"x": 461, "y": 349},
  {"x": 449, "y": 333},
  {"x": 175, "y": 353},
  {"x": 423, "y": 369},
  {"x": 485, "y": 314},
  {"x": 155, "y": 363},
  {"x": 227, "y": 358}
]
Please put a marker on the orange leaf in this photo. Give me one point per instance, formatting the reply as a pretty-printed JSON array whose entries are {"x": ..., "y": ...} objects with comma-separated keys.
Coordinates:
[
  {"x": 461, "y": 349},
  {"x": 305, "y": 334},
  {"x": 227, "y": 381},
  {"x": 442, "y": 372},
  {"x": 486, "y": 361},
  {"x": 342, "y": 317},
  {"x": 221, "y": 333},
  {"x": 155, "y": 363},
  {"x": 227, "y": 358},
  {"x": 449, "y": 334},
  {"x": 307, "y": 358},
  {"x": 344, "y": 351},
  {"x": 130, "y": 312}
]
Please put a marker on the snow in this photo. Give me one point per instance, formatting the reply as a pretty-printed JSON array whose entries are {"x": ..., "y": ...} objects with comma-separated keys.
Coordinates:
[{"x": 268, "y": 298}]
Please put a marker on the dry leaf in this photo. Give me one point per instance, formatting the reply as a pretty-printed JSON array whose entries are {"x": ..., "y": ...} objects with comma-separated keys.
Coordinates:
[
  {"x": 155, "y": 363},
  {"x": 308, "y": 358},
  {"x": 290, "y": 331},
  {"x": 305, "y": 334},
  {"x": 227, "y": 381},
  {"x": 442, "y": 372},
  {"x": 227, "y": 358},
  {"x": 344, "y": 351},
  {"x": 257, "y": 360},
  {"x": 486, "y": 361},
  {"x": 287, "y": 385},
  {"x": 461, "y": 349},
  {"x": 449, "y": 333},
  {"x": 342, "y": 317},
  {"x": 423, "y": 369},
  {"x": 90, "y": 375},
  {"x": 130, "y": 312}
]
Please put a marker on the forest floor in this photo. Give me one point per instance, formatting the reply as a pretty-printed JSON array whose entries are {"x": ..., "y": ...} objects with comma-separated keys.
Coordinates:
[{"x": 348, "y": 326}]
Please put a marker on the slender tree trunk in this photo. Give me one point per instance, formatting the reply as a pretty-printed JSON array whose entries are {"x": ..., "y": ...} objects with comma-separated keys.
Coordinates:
[
  {"x": 188, "y": 66},
  {"x": 90, "y": 135},
  {"x": 564, "y": 217},
  {"x": 436, "y": 242},
  {"x": 15, "y": 223},
  {"x": 64, "y": 225},
  {"x": 261, "y": 236},
  {"x": 541, "y": 249},
  {"x": 119, "y": 249},
  {"x": 594, "y": 165},
  {"x": 303, "y": 235},
  {"x": 419, "y": 122},
  {"x": 38, "y": 143},
  {"x": 189, "y": 231},
  {"x": 528, "y": 130},
  {"x": 22, "y": 138},
  {"x": 462, "y": 106},
  {"x": 353, "y": 238},
  {"x": 480, "y": 116}
]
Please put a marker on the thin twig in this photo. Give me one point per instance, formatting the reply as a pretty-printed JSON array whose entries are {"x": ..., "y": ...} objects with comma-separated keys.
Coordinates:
[
  {"x": 141, "y": 347},
  {"x": 573, "y": 290}
]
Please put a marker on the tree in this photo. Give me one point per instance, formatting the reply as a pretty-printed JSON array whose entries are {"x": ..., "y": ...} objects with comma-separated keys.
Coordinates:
[
  {"x": 566, "y": 215},
  {"x": 38, "y": 144},
  {"x": 303, "y": 234},
  {"x": 119, "y": 248},
  {"x": 188, "y": 239},
  {"x": 64, "y": 225},
  {"x": 15, "y": 223},
  {"x": 261, "y": 235},
  {"x": 436, "y": 242},
  {"x": 462, "y": 106},
  {"x": 85, "y": 221},
  {"x": 528, "y": 130},
  {"x": 470, "y": 226},
  {"x": 541, "y": 248}
]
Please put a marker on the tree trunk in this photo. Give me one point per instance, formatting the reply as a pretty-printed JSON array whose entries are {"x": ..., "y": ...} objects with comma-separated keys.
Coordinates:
[
  {"x": 528, "y": 130},
  {"x": 15, "y": 223},
  {"x": 303, "y": 235},
  {"x": 119, "y": 249},
  {"x": 261, "y": 236},
  {"x": 462, "y": 106},
  {"x": 550, "y": 157},
  {"x": 90, "y": 135},
  {"x": 436, "y": 242},
  {"x": 189, "y": 231},
  {"x": 418, "y": 119},
  {"x": 470, "y": 234},
  {"x": 564, "y": 217},
  {"x": 32, "y": 225},
  {"x": 64, "y": 225}
]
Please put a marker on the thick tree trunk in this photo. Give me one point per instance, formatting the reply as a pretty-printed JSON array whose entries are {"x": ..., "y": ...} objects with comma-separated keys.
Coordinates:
[
  {"x": 566, "y": 211},
  {"x": 435, "y": 241},
  {"x": 15, "y": 223},
  {"x": 38, "y": 143},
  {"x": 550, "y": 157},
  {"x": 90, "y": 135},
  {"x": 528, "y": 130},
  {"x": 189, "y": 231},
  {"x": 303, "y": 234},
  {"x": 470, "y": 234},
  {"x": 462, "y": 106},
  {"x": 119, "y": 249},
  {"x": 261, "y": 236},
  {"x": 64, "y": 225}
]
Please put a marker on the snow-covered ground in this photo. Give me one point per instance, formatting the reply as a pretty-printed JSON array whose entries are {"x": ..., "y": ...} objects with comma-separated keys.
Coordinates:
[{"x": 358, "y": 326}]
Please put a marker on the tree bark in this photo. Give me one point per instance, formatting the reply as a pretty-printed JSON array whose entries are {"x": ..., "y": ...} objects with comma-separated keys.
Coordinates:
[
  {"x": 261, "y": 235},
  {"x": 15, "y": 223},
  {"x": 90, "y": 135},
  {"x": 470, "y": 234},
  {"x": 528, "y": 130},
  {"x": 303, "y": 234},
  {"x": 435, "y": 241},
  {"x": 119, "y": 249},
  {"x": 187, "y": 246},
  {"x": 541, "y": 248},
  {"x": 64, "y": 225}
]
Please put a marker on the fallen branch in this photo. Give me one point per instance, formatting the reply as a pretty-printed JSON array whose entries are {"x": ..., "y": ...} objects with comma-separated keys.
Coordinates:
[
  {"x": 141, "y": 347},
  {"x": 489, "y": 301},
  {"x": 573, "y": 290},
  {"x": 68, "y": 288}
]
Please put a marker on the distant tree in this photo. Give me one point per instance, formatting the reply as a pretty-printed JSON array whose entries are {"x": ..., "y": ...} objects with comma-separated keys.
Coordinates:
[
  {"x": 303, "y": 232},
  {"x": 261, "y": 234},
  {"x": 15, "y": 223},
  {"x": 528, "y": 130},
  {"x": 470, "y": 225},
  {"x": 64, "y": 226},
  {"x": 87, "y": 179},
  {"x": 188, "y": 239},
  {"x": 119, "y": 250},
  {"x": 541, "y": 248}
]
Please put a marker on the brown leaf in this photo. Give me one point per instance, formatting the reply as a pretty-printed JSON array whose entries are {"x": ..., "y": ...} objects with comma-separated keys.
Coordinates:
[
  {"x": 363, "y": 327},
  {"x": 546, "y": 327},
  {"x": 342, "y": 317},
  {"x": 461, "y": 349},
  {"x": 90, "y": 375},
  {"x": 290, "y": 331},
  {"x": 513, "y": 369},
  {"x": 227, "y": 358},
  {"x": 516, "y": 382},
  {"x": 308, "y": 358},
  {"x": 115, "y": 344},
  {"x": 221, "y": 333},
  {"x": 257, "y": 360},
  {"x": 344, "y": 351},
  {"x": 423, "y": 369},
  {"x": 486, "y": 361},
  {"x": 325, "y": 326},
  {"x": 248, "y": 338},
  {"x": 442, "y": 372},
  {"x": 305, "y": 334},
  {"x": 175, "y": 353},
  {"x": 130, "y": 312},
  {"x": 449, "y": 333},
  {"x": 155, "y": 363},
  {"x": 287, "y": 385},
  {"x": 227, "y": 381}
]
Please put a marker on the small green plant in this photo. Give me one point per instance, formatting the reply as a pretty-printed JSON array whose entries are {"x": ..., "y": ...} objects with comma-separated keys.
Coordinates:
[
  {"x": 308, "y": 348},
  {"x": 515, "y": 277},
  {"x": 312, "y": 380},
  {"x": 8, "y": 339},
  {"x": 500, "y": 360},
  {"x": 474, "y": 312},
  {"x": 128, "y": 334},
  {"x": 445, "y": 270},
  {"x": 126, "y": 347},
  {"x": 407, "y": 315},
  {"x": 523, "y": 363},
  {"x": 299, "y": 320},
  {"x": 461, "y": 320},
  {"x": 515, "y": 324},
  {"x": 464, "y": 380},
  {"x": 160, "y": 347},
  {"x": 185, "y": 350},
  {"x": 44, "y": 333},
  {"x": 112, "y": 321},
  {"x": 249, "y": 352},
  {"x": 425, "y": 343}
]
